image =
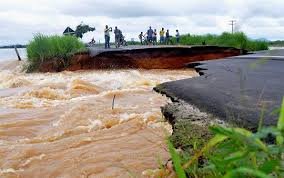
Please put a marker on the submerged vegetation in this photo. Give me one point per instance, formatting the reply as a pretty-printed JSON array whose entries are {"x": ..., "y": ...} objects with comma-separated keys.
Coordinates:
[
  {"x": 237, "y": 40},
  {"x": 46, "y": 48},
  {"x": 231, "y": 152}
]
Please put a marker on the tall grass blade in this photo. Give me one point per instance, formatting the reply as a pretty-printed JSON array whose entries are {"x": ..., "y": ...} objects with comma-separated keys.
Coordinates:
[
  {"x": 240, "y": 134},
  {"x": 260, "y": 123},
  {"x": 280, "y": 125},
  {"x": 246, "y": 172},
  {"x": 176, "y": 161}
]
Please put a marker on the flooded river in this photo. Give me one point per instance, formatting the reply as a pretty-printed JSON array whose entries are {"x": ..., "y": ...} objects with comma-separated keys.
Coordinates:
[{"x": 63, "y": 124}]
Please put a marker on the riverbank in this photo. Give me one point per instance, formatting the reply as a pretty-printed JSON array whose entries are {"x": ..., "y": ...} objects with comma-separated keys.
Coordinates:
[
  {"x": 242, "y": 91},
  {"x": 239, "y": 90},
  {"x": 137, "y": 57},
  {"x": 238, "y": 93}
]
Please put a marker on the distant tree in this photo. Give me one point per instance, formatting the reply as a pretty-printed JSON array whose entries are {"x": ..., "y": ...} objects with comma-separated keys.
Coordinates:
[{"x": 82, "y": 29}]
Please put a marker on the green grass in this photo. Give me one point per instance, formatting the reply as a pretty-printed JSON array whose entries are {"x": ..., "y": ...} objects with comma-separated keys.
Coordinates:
[
  {"x": 235, "y": 152},
  {"x": 237, "y": 40},
  {"x": 45, "y": 48},
  {"x": 189, "y": 137},
  {"x": 278, "y": 43}
]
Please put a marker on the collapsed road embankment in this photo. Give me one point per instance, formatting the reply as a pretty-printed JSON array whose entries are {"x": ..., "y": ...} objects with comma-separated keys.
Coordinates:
[
  {"x": 238, "y": 90},
  {"x": 143, "y": 57}
]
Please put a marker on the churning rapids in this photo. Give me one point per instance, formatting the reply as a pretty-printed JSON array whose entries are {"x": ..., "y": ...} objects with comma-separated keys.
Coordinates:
[{"x": 63, "y": 124}]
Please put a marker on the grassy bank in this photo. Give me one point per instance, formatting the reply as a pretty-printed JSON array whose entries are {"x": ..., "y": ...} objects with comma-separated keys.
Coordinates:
[
  {"x": 237, "y": 40},
  {"x": 228, "y": 152},
  {"x": 45, "y": 48},
  {"x": 278, "y": 43}
]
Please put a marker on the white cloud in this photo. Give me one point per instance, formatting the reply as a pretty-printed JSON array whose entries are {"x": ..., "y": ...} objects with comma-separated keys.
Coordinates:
[{"x": 20, "y": 19}]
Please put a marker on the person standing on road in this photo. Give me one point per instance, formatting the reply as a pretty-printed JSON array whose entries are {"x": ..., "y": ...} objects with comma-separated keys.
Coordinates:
[
  {"x": 177, "y": 36},
  {"x": 162, "y": 36},
  {"x": 141, "y": 36},
  {"x": 117, "y": 35},
  {"x": 167, "y": 37},
  {"x": 150, "y": 35},
  {"x": 107, "y": 36},
  {"x": 154, "y": 37}
]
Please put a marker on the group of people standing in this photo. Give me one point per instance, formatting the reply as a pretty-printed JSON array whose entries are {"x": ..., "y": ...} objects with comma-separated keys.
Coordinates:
[
  {"x": 150, "y": 37},
  {"x": 119, "y": 38}
]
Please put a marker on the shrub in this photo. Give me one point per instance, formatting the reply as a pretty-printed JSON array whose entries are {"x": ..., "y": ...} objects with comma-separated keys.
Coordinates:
[
  {"x": 236, "y": 152},
  {"x": 44, "y": 48},
  {"x": 237, "y": 40},
  {"x": 278, "y": 43}
]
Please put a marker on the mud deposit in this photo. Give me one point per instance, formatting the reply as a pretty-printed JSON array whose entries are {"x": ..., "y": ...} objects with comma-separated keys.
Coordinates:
[{"x": 63, "y": 124}]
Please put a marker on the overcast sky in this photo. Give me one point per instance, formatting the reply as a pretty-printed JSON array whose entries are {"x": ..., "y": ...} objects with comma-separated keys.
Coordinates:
[{"x": 20, "y": 19}]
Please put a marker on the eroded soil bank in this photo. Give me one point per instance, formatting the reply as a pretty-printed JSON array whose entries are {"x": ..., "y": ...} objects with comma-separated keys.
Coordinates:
[
  {"x": 239, "y": 90},
  {"x": 159, "y": 57}
]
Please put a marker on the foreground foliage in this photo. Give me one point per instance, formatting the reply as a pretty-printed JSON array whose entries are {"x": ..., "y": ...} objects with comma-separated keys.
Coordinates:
[
  {"x": 236, "y": 152},
  {"x": 237, "y": 40},
  {"x": 44, "y": 48}
]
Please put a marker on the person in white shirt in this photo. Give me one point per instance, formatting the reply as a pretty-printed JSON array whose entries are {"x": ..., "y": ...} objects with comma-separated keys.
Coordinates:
[
  {"x": 107, "y": 36},
  {"x": 154, "y": 37},
  {"x": 177, "y": 36}
]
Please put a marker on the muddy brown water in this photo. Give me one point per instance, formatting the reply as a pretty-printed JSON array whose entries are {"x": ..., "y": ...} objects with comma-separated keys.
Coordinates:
[{"x": 63, "y": 124}]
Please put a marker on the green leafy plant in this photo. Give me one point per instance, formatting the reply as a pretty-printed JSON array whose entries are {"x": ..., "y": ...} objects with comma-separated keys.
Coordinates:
[
  {"x": 177, "y": 161},
  {"x": 237, "y": 152},
  {"x": 44, "y": 48}
]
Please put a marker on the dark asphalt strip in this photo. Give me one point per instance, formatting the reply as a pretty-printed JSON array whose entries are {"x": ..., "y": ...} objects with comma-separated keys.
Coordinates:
[{"x": 236, "y": 90}]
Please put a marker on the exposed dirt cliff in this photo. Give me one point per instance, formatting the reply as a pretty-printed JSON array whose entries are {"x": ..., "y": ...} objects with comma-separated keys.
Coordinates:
[{"x": 173, "y": 57}]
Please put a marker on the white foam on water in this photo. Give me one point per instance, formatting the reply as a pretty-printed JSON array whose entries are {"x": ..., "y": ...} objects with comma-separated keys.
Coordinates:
[
  {"x": 94, "y": 125},
  {"x": 28, "y": 161},
  {"x": 10, "y": 170}
]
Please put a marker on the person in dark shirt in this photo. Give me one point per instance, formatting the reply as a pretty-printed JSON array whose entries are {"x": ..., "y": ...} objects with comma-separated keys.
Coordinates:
[
  {"x": 150, "y": 35},
  {"x": 167, "y": 37},
  {"x": 117, "y": 34},
  {"x": 141, "y": 36}
]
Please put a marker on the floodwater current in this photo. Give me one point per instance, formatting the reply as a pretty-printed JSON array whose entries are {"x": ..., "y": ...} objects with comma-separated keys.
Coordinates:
[{"x": 67, "y": 125}]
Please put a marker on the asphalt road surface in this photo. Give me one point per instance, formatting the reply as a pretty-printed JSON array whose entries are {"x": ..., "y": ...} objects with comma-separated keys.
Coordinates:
[{"x": 237, "y": 89}]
